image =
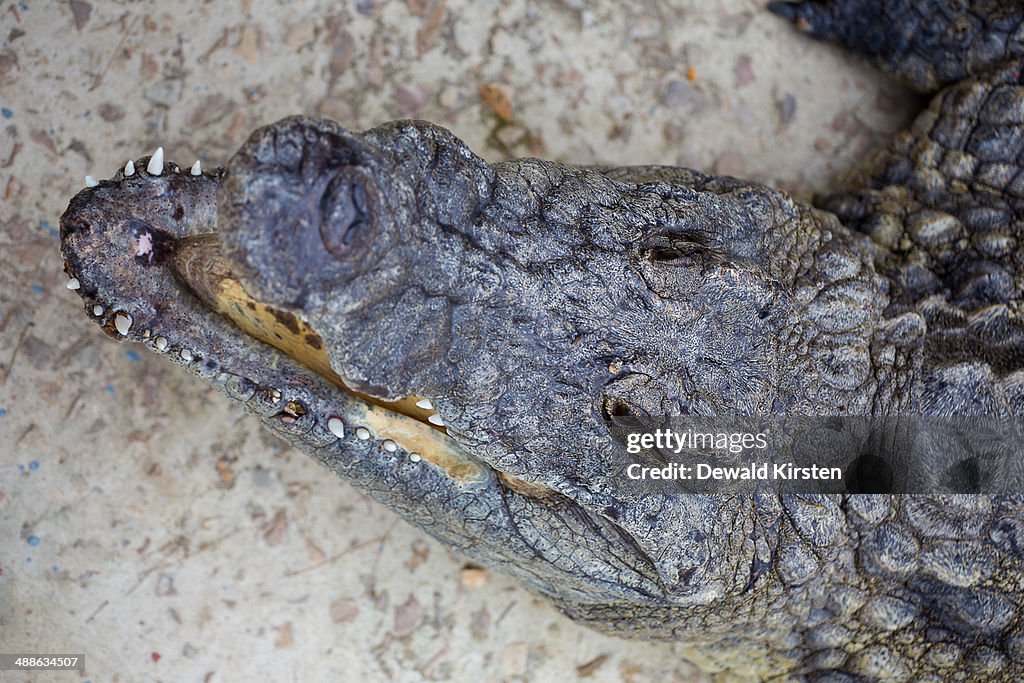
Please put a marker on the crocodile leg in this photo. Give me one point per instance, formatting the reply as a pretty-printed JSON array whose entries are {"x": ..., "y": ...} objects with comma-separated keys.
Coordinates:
[
  {"x": 931, "y": 43},
  {"x": 945, "y": 199}
]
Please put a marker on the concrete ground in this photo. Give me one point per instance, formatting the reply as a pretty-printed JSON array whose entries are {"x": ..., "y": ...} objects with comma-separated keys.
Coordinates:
[{"x": 146, "y": 522}]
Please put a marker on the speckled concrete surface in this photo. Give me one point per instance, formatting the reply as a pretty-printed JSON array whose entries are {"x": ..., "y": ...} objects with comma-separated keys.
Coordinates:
[{"x": 147, "y": 523}]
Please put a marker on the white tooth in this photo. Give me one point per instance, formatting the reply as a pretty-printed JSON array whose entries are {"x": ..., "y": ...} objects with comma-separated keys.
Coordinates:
[
  {"x": 337, "y": 427},
  {"x": 73, "y": 283},
  {"x": 435, "y": 419},
  {"x": 129, "y": 168},
  {"x": 425, "y": 404},
  {"x": 160, "y": 343},
  {"x": 97, "y": 310},
  {"x": 156, "y": 162},
  {"x": 197, "y": 168},
  {"x": 275, "y": 394},
  {"x": 186, "y": 355},
  {"x": 90, "y": 181},
  {"x": 363, "y": 433},
  {"x": 123, "y": 323},
  {"x": 414, "y": 457},
  {"x": 390, "y": 446}
]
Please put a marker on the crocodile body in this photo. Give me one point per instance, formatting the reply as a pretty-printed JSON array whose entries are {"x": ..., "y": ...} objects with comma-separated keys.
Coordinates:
[{"x": 527, "y": 301}]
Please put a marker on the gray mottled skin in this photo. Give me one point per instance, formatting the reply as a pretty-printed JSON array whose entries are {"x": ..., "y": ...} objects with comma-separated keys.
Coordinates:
[{"x": 530, "y": 300}]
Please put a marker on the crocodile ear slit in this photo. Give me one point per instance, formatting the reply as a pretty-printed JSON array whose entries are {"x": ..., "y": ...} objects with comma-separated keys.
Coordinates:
[{"x": 615, "y": 407}]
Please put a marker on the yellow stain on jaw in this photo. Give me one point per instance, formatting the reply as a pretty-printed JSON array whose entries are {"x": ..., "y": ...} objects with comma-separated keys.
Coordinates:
[
  {"x": 433, "y": 446},
  {"x": 199, "y": 265}
]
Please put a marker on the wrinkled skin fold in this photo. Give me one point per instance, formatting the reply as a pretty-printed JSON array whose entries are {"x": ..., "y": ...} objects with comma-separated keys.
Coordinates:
[{"x": 529, "y": 301}]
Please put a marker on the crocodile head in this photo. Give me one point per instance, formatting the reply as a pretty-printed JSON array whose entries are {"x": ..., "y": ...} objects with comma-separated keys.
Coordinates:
[{"x": 345, "y": 287}]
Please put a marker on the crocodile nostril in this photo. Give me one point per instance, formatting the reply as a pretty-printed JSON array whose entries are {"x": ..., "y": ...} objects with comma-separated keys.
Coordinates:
[{"x": 347, "y": 218}]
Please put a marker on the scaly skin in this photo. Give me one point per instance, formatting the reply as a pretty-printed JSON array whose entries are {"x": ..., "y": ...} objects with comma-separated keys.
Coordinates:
[{"x": 529, "y": 300}]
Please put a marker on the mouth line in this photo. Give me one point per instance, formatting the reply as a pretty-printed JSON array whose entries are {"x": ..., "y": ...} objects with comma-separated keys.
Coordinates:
[{"x": 200, "y": 267}]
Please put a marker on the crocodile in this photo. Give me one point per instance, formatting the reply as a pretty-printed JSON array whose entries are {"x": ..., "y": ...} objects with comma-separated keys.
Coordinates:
[{"x": 456, "y": 338}]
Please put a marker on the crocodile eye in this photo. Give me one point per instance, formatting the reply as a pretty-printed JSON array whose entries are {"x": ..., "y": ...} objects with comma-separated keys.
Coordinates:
[
  {"x": 347, "y": 223},
  {"x": 675, "y": 246}
]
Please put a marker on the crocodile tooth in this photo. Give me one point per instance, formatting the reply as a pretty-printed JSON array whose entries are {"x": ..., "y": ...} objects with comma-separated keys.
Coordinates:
[
  {"x": 435, "y": 419},
  {"x": 336, "y": 426},
  {"x": 129, "y": 168},
  {"x": 74, "y": 283},
  {"x": 90, "y": 181},
  {"x": 197, "y": 168},
  {"x": 123, "y": 323},
  {"x": 156, "y": 162},
  {"x": 97, "y": 310},
  {"x": 425, "y": 404},
  {"x": 363, "y": 433}
]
